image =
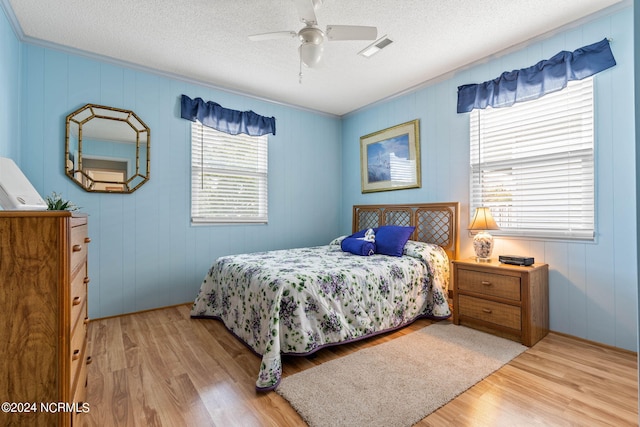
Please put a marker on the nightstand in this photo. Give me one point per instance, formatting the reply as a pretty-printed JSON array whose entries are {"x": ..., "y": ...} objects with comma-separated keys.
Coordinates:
[{"x": 506, "y": 300}]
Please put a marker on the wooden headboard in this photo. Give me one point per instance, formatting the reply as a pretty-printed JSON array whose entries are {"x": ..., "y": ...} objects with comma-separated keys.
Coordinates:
[{"x": 436, "y": 223}]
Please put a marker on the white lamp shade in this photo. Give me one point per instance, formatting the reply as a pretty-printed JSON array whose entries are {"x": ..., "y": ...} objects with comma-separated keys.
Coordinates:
[
  {"x": 483, "y": 220},
  {"x": 310, "y": 54}
]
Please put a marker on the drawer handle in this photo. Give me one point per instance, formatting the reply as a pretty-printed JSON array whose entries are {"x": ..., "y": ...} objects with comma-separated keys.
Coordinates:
[
  {"x": 77, "y": 300},
  {"x": 485, "y": 283},
  {"x": 89, "y": 360},
  {"x": 77, "y": 248},
  {"x": 86, "y": 280},
  {"x": 487, "y": 310},
  {"x": 76, "y": 355},
  {"x": 87, "y": 240},
  {"x": 86, "y": 320}
]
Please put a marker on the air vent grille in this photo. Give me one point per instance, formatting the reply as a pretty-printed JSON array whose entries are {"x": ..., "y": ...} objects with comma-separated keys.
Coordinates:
[{"x": 375, "y": 47}]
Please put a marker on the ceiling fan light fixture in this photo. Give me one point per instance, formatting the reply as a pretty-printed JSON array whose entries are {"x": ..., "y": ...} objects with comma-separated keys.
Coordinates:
[
  {"x": 375, "y": 47},
  {"x": 312, "y": 38},
  {"x": 310, "y": 53}
]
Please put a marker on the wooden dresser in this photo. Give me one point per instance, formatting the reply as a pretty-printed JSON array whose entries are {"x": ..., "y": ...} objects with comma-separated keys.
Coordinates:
[
  {"x": 506, "y": 300},
  {"x": 43, "y": 317}
]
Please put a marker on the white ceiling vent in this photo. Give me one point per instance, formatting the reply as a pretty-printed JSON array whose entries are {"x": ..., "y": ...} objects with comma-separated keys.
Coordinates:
[{"x": 375, "y": 47}]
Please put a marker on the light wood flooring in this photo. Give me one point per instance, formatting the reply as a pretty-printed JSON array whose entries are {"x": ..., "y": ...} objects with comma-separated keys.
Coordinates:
[{"x": 161, "y": 368}]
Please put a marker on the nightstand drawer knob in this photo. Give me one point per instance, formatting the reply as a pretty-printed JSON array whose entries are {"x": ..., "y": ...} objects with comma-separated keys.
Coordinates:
[
  {"x": 486, "y": 310},
  {"x": 485, "y": 283}
]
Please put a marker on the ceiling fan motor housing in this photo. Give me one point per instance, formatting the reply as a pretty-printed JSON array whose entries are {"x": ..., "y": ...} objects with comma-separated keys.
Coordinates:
[{"x": 313, "y": 35}]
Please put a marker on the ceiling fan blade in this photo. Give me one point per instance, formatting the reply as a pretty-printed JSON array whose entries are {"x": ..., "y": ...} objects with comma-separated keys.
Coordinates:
[
  {"x": 351, "y": 32},
  {"x": 306, "y": 11},
  {"x": 273, "y": 36}
]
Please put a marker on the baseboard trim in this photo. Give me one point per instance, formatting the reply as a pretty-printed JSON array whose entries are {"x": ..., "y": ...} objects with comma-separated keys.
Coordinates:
[
  {"x": 595, "y": 343},
  {"x": 141, "y": 311}
]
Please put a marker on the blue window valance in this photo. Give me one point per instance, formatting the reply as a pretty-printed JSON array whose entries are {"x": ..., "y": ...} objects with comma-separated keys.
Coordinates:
[
  {"x": 225, "y": 120},
  {"x": 531, "y": 83}
]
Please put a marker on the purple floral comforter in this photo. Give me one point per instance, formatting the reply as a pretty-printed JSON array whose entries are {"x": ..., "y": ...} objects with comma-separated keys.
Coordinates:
[{"x": 299, "y": 300}]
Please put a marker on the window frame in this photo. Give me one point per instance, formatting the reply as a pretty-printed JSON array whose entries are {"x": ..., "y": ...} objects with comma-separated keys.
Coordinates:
[
  {"x": 236, "y": 166},
  {"x": 581, "y": 223}
]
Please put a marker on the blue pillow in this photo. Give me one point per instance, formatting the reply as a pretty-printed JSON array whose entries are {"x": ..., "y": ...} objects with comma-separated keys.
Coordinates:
[
  {"x": 358, "y": 247},
  {"x": 390, "y": 239}
]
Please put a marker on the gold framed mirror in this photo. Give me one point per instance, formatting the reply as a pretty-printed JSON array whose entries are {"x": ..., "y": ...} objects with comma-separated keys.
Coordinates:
[{"x": 107, "y": 149}]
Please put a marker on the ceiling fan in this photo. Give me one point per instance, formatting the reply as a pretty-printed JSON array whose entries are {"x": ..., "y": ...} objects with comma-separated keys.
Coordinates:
[{"x": 312, "y": 37}]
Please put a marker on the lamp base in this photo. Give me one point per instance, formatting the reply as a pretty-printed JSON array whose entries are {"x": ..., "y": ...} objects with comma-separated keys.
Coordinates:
[{"x": 483, "y": 246}]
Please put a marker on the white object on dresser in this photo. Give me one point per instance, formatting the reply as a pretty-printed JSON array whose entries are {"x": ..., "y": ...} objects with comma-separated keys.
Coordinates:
[{"x": 16, "y": 192}]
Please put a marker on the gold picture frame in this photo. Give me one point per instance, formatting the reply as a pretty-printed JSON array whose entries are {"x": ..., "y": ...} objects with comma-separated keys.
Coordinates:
[{"x": 390, "y": 158}]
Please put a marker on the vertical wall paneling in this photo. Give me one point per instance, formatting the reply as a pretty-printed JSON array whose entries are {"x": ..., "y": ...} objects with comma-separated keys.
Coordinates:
[
  {"x": 10, "y": 105},
  {"x": 625, "y": 292}
]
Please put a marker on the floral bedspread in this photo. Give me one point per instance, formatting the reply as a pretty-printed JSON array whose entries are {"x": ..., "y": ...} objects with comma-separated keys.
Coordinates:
[{"x": 296, "y": 301}]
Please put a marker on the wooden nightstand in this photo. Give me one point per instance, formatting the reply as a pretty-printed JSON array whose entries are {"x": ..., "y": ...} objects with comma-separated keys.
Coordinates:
[{"x": 505, "y": 300}]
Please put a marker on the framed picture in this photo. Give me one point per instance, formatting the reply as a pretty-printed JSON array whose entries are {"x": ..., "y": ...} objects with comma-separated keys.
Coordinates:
[{"x": 390, "y": 158}]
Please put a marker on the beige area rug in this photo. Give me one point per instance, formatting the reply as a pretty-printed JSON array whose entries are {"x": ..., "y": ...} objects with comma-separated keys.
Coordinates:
[{"x": 399, "y": 382}]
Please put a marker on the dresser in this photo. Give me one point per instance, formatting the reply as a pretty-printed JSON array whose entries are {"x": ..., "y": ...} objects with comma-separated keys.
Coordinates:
[
  {"x": 43, "y": 317},
  {"x": 506, "y": 300}
]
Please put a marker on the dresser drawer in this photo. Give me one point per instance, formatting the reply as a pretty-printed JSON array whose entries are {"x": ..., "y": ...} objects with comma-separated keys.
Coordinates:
[
  {"x": 76, "y": 350},
  {"x": 79, "y": 377},
  {"x": 79, "y": 241},
  {"x": 490, "y": 311},
  {"x": 80, "y": 392},
  {"x": 496, "y": 285},
  {"x": 78, "y": 296}
]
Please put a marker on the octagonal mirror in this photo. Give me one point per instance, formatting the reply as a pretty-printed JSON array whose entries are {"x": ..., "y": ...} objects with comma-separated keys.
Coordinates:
[{"x": 107, "y": 149}]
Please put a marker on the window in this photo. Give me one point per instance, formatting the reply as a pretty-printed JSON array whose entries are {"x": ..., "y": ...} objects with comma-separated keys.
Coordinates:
[
  {"x": 228, "y": 177},
  {"x": 533, "y": 164}
]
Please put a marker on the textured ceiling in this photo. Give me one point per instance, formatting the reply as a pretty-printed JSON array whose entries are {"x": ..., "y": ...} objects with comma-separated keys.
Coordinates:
[{"x": 206, "y": 40}]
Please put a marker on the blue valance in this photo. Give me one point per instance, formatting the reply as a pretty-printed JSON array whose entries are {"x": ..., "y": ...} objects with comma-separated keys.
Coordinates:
[
  {"x": 531, "y": 83},
  {"x": 225, "y": 120}
]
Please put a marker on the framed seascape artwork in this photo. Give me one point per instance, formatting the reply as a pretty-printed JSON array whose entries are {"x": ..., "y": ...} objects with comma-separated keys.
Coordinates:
[{"x": 390, "y": 158}]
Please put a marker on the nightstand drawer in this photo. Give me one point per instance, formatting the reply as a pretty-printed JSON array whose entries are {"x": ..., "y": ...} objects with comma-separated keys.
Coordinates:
[
  {"x": 496, "y": 285},
  {"x": 490, "y": 311}
]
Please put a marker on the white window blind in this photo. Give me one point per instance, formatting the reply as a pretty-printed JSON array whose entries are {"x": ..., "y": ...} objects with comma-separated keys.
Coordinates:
[
  {"x": 533, "y": 164},
  {"x": 228, "y": 176}
]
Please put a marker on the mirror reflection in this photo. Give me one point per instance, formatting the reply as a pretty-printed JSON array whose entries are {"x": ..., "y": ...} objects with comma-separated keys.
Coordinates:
[{"x": 107, "y": 149}]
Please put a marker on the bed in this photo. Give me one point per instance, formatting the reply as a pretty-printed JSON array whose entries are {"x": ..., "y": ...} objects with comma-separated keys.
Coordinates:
[{"x": 300, "y": 300}]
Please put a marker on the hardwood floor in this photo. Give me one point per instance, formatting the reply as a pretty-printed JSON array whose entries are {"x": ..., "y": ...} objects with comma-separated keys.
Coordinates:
[{"x": 161, "y": 368}]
